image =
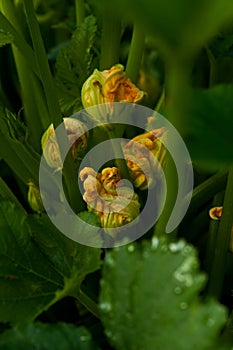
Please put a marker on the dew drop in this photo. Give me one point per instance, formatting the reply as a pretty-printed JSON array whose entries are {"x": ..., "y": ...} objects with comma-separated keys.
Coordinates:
[
  {"x": 178, "y": 290},
  {"x": 154, "y": 243},
  {"x": 183, "y": 305},
  {"x": 187, "y": 250},
  {"x": 131, "y": 248},
  {"x": 85, "y": 337},
  {"x": 109, "y": 260},
  {"x": 109, "y": 334},
  {"x": 176, "y": 247},
  {"x": 105, "y": 307}
]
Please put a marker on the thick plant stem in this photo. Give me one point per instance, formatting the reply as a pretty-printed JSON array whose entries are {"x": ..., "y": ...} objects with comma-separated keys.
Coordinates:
[
  {"x": 74, "y": 195},
  {"x": 120, "y": 161},
  {"x": 32, "y": 94},
  {"x": 110, "y": 44},
  {"x": 135, "y": 53},
  {"x": 80, "y": 11},
  {"x": 178, "y": 93},
  {"x": 88, "y": 303},
  {"x": 212, "y": 234},
  {"x": 219, "y": 255}
]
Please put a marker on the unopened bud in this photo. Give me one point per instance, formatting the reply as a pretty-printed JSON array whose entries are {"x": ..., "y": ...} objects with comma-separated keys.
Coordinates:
[
  {"x": 74, "y": 129},
  {"x": 34, "y": 198}
]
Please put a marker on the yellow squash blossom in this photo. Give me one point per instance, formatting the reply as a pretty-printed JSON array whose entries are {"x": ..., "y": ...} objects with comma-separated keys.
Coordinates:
[
  {"x": 107, "y": 87},
  {"x": 142, "y": 154},
  {"x": 106, "y": 195}
]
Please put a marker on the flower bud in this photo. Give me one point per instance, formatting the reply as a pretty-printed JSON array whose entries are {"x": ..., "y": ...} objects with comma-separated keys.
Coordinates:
[
  {"x": 50, "y": 147},
  {"x": 34, "y": 198},
  {"x": 215, "y": 213},
  {"x": 107, "y": 87},
  {"x": 141, "y": 162},
  {"x": 106, "y": 195}
]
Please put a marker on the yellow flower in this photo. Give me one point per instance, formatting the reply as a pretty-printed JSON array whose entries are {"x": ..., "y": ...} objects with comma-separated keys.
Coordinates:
[
  {"x": 107, "y": 87},
  {"x": 106, "y": 195},
  {"x": 142, "y": 154},
  {"x": 49, "y": 144}
]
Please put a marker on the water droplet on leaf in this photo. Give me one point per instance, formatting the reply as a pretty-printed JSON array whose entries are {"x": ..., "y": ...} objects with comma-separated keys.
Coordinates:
[
  {"x": 178, "y": 290},
  {"x": 131, "y": 248},
  {"x": 154, "y": 243},
  {"x": 183, "y": 305},
  {"x": 105, "y": 307}
]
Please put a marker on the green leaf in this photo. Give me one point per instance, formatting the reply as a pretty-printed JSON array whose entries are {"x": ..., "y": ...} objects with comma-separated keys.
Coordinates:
[
  {"x": 5, "y": 38},
  {"x": 152, "y": 292},
  {"x": 210, "y": 130},
  {"x": 38, "y": 265},
  {"x": 39, "y": 336},
  {"x": 74, "y": 64}
]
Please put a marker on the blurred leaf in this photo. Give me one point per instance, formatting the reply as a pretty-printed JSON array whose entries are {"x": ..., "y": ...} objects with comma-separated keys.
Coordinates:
[
  {"x": 5, "y": 38},
  {"x": 38, "y": 265},
  {"x": 210, "y": 139},
  {"x": 184, "y": 24},
  {"x": 152, "y": 291},
  {"x": 39, "y": 336},
  {"x": 74, "y": 64}
]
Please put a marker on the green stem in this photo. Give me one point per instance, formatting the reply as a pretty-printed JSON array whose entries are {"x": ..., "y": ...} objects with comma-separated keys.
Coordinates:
[
  {"x": 88, "y": 303},
  {"x": 18, "y": 39},
  {"x": 7, "y": 194},
  {"x": 41, "y": 56},
  {"x": 110, "y": 44},
  {"x": 172, "y": 188},
  {"x": 212, "y": 234},
  {"x": 74, "y": 195},
  {"x": 135, "y": 52},
  {"x": 120, "y": 161},
  {"x": 213, "y": 68},
  {"x": 160, "y": 102},
  {"x": 219, "y": 260},
  {"x": 178, "y": 72},
  {"x": 32, "y": 94},
  {"x": 80, "y": 11}
]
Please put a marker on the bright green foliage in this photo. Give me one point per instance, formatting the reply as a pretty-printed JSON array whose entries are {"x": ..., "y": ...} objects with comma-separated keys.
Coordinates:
[
  {"x": 5, "y": 38},
  {"x": 38, "y": 265},
  {"x": 39, "y": 336},
  {"x": 211, "y": 126},
  {"x": 149, "y": 298},
  {"x": 74, "y": 64}
]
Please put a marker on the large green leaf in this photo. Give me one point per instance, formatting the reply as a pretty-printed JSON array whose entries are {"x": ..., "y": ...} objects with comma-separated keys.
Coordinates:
[
  {"x": 38, "y": 265},
  {"x": 39, "y": 336},
  {"x": 74, "y": 64},
  {"x": 211, "y": 124},
  {"x": 149, "y": 298},
  {"x": 183, "y": 24}
]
